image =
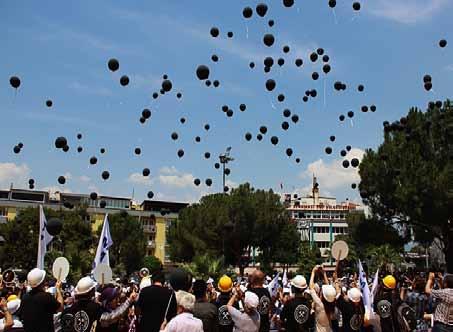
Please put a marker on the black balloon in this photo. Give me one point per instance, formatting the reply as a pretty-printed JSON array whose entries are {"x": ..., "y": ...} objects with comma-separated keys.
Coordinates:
[
  {"x": 182, "y": 120},
  {"x": 373, "y": 108},
  {"x": 270, "y": 84},
  {"x": 155, "y": 95},
  {"x": 214, "y": 32},
  {"x": 342, "y": 117},
  {"x": 248, "y": 136},
  {"x": 167, "y": 85},
  {"x": 54, "y": 226},
  {"x": 142, "y": 119},
  {"x": 146, "y": 113},
  {"x": 287, "y": 113},
  {"x": 216, "y": 83},
  {"x": 207, "y": 155},
  {"x": 217, "y": 165},
  {"x": 332, "y": 138},
  {"x": 281, "y": 97},
  {"x": 202, "y": 72},
  {"x": 229, "y": 113},
  {"x": 247, "y": 12},
  {"x": 328, "y": 150},
  {"x": 31, "y": 181},
  {"x": 315, "y": 76},
  {"x": 295, "y": 118},
  {"x": 360, "y": 88},
  {"x": 20, "y": 145},
  {"x": 320, "y": 51},
  {"x": 230, "y": 34},
  {"x": 227, "y": 171},
  {"x": 150, "y": 194},
  {"x": 206, "y": 127},
  {"x": 137, "y": 151},
  {"x": 314, "y": 57},
  {"x": 313, "y": 93},
  {"x": 60, "y": 142},
  {"x": 180, "y": 153},
  {"x": 442, "y": 43},
  {"x": 350, "y": 114},
  {"x": 197, "y": 139},
  {"x": 289, "y": 152},
  {"x": 113, "y": 64},
  {"x": 102, "y": 204},
  {"x": 179, "y": 95},
  {"x": 285, "y": 125},
  {"x": 261, "y": 9},
  {"x": 356, "y": 6},
  {"x": 268, "y": 39},
  {"x": 93, "y": 196},
  {"x": 105, "y": 175},
  {"x": 271, "y": 23},
  {"x": 16, "y": 149},
  {"x": 66, "y": 148},
  {"x": 263, "y": 130},
  {"x": 364, "y": 108},
  {"x": 14, "y": 81},
  {"x": 197, "y": 182},
  {"x": 343, "y": 153},
  {"x": 79, "y": 136},
  {"x": 252, "y": 65},
  {"x": 325, "y": 58},
  {"x": 208, "y": 182},
  {"x": 93, "y": 160},
  {"x": 345, "y": 163},
  {"x": 288, "y": 3},
  {"x": 259, "y": 137},
  {"x": 124, "y": 80},
  {"x": 79, "y": 149},
  {"x": 102, "y": 150},
  {"x": 242, "y": 107},
  {"x": 146, "y": 172},
  {"x": 214, "y": 58},
  {"x": 49, "y": 103},
  {"x": 353, "y": 186},
  {"x": 332, "y": 3},
  {"x": 354, "y": 162},
  {"x": 286, "y": 49},
  {"x": 174, "y": 136},
  {"x": 274, "y": 140},
  {"x": 61, "y": 180},
  {"x": 298, "y": 62},
  {"x": 208, "y": 83},
  {"x": 297, "y": 160},
  {"x": 268, "y": 61}
]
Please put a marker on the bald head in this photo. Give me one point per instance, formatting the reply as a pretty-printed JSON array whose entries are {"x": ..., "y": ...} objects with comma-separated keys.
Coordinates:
[{"x": 258, "y": 278}]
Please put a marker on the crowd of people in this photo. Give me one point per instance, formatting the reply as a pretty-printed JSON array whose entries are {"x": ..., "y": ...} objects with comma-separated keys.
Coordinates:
[{"x": 251, "y": 303}]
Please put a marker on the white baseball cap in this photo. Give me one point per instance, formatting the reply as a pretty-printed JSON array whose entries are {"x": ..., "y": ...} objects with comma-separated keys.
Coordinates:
[
  {"x": 146, "y": 282},
  {"x": 13, "y": 306},
  {"x": 329, "y": 293},
  {"x": 35, "y": 277}
]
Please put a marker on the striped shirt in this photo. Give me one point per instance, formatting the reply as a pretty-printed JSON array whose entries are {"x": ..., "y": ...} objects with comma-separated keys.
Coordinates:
[{"x": 444, "y": 310}]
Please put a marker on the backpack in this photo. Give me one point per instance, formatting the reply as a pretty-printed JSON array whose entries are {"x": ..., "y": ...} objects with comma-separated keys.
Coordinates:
[{"x": 406, "y": 317}]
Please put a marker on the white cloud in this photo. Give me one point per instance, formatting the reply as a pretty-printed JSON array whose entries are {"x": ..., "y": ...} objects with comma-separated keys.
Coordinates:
[
  {"x": 12, "y": 173},
  {"x": 179, "y": 181},
  {"x": 449, "y": 67},
  {"x": 168, "y": 170},
  {"x": 140, "y": 179},
  {"x": 86, "y": 89},
  {"x": 54, "y": 189},
  {"x": 406, "y": 11},
  {"x": 333, "y": 175},
  {"x": 84, "y": 178}
]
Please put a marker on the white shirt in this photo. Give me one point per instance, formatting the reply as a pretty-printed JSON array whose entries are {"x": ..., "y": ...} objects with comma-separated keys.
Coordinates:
[
  {"x": 244, "y": 322},
  {"x": 184, "y": 322}
]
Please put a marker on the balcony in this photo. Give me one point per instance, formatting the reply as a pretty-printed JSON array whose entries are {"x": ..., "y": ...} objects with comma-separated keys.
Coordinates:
[
  {"x": 3, "y": 219},
  {"x": 151, "y": 244},
  {"x": 149, "y": 228}
]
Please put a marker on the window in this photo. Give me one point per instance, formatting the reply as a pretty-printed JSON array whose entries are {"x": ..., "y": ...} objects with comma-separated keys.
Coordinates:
[{"x": 3, "y": 211}]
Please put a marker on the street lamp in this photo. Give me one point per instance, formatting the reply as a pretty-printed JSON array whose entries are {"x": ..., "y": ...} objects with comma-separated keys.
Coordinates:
[{"x": 224, "y": 159}]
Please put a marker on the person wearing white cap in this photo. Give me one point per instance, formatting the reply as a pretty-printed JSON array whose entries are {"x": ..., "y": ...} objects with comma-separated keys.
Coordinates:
[
  {"x": 13, "y": 307},
  {"x": 352, "y": 310},
  {"x": 184, "y": 320},
  {"x": 297, "y": 314},
  {"x": 249, "y": 320},
  {"x": 38, "y": 306},
  {"x": 324, "y": 304},
  {"x": 85, "y": 313}
]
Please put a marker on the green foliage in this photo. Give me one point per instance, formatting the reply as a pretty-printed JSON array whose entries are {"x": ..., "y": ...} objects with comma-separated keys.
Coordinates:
[
  {"x": 409, "y": 179},
  {"x": 205, "y": 266},
  {"x": 74, "y": 241},
  {"x": 129, "y": 243},
  {"x": 152, "y": 263},
  {"x": 382, "y": 257},
  {"x": 230, "y": 225},
  {"x": 309, "y": 257}
]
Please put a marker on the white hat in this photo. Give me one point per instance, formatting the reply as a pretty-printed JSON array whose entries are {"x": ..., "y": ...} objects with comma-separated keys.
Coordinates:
[
  {"x": 354, "y": 294},
  {"x": 185, "y": 300},
  {"x": 243, "y": 288},
  {"x": 299, "y": 282},
  {"x": 84, "y": 285},
  {"x": 13, "y": 306},
  {"x": 251, "y": 300},
  {"x": 146, "y": 281},
  {"x": 210, "y": 281},
  {"x": 35, "y": 277},
  {"x": 329, "y": 293}
]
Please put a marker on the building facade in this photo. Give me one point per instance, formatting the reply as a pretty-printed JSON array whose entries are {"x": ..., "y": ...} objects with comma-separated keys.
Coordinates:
[
  {"x": 155, "y": 216},
  {"x": 319, "y": 219}
]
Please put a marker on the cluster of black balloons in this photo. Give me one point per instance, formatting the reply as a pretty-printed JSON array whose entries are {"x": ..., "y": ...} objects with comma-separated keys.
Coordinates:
[{"x": 17, "y": 148}]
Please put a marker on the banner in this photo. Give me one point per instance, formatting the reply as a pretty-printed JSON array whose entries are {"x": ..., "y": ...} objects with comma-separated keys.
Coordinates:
[{"x": 366, "y": 295}]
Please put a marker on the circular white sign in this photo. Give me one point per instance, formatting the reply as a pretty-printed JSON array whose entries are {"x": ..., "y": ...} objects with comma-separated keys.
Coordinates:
[
  {"x": 340, "y": 250},
  {"x": 102, "y": 274},
  {"x": 60, "y": 268}
]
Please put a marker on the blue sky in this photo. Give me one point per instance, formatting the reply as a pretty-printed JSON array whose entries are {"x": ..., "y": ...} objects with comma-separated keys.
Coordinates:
[{"x": 60, "y": 51}]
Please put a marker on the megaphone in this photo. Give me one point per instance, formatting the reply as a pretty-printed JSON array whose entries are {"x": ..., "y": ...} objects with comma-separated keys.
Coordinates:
[
  {"x": 144, "y": 272},
  {"x": 9, "y": 278}
]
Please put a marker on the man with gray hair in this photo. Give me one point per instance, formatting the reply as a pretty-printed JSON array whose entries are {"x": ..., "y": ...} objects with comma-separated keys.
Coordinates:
[{"x": 184, "y": 320}]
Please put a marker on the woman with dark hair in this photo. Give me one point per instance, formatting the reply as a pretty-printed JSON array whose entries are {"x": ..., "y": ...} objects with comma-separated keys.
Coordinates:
[{"x": 443, "y": 315}]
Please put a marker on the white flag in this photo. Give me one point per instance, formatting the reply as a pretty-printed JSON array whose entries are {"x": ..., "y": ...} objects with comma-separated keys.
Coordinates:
[
  {"x": 44, "y": 239},
  {"x": 285, "y": 279},
  {"x": 273, "y": 286},
  {"x": 105, "y": 241},
  {"x": 366, "y": 295},
  {"x": 374, "y": 286}
]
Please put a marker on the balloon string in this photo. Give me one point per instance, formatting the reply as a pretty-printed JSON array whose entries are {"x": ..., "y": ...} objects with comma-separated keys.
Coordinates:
[
  {"x": 272, "y": 104},
  {"x": 352, "y": 123},
  {"x": 247, "y": 31},
  {"x": 334, "y": 16}
]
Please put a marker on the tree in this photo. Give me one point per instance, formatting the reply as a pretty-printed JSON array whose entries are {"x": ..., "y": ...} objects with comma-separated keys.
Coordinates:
[
  {"x": 408, "y": 180},
  {"x": 308, "y": 258},
  {"x": 73, "y": 242},
  {"x": 152, "y": 263},
  {"x": 129, "y": 243},
  {"x": 383, "y": 257},
  {"x": 229, "y": 226}
]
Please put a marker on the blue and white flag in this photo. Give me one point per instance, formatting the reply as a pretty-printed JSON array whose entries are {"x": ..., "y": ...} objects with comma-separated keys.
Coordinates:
[
  {"x": 366, "y": 294},
  {"x": 273, "y": 286},
  {"x": 374, "y": 286},
  {"x": 105, "y": 241},
  {"x": 44, "y": 239},
  {"x": 285, "y": 279}
]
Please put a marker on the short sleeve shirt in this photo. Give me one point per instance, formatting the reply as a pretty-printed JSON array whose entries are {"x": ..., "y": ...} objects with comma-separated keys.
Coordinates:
[
  {"x": 297, "y": 315},
  {"x": 244, "y": 322},
  {"x": 263, "y": 307},
  {"x": 37, "y": 310}
]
